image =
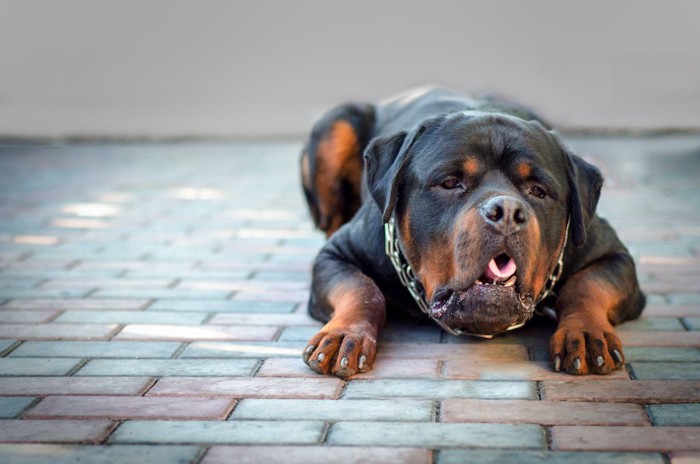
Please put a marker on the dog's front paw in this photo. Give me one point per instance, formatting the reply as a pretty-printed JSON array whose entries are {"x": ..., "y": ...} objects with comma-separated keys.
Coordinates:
[
  {"x": 584, "y": 347},
  {"x": 342, "y": 351}
]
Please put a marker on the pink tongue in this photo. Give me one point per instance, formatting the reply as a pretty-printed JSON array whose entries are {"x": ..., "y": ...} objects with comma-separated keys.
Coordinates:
[{"x": 500, "y": 273}]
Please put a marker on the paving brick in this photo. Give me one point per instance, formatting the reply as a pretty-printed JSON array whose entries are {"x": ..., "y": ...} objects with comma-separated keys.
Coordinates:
[
  {"x": 165, "y": 294},
  {"x": 317, "y": 388},
  {"x": 257, "y": 350},
  {"x": 685, "y": 458},
  {"x": 131, "y": 317},
  {"x": 57, "y": 331},
  {"x": 298, "y": 333},
  {"x": 108, "y": 283},
  {"x": 646, "y": 324},
  {"x": 127, "y": 266},
  {"x": 72, "y": 304},
  {"x": 675, "y": 414},
  {"x": 17, "y": 293},
  {"x": 641, "y": 391},
  {"x": 334, "y": 410},
  {"x": 523, "y": 370},
  {"x": 438, "y": 389},
  {"x": 131, "y": 407},
  {"x": 227, "y": 432},
  {"x": 19, "y": 317},
  {"x": 167, "y": 367},
  {"x": 549, "y": 457},
  {"x": 684, "y": 298},
  {"x": 47, "y": 386},
  {"x": 541, "y": 412},
  {"x": 71, "y": 349},
  {"x": 37, "y": 366},
  {"x": 114, "y": 454},
  {"x": 661, "y": 354},
  {"x": 659, "y": 439},
  {"x": 436, "y": 435},
  {"x": 667, "y": 310},
  {"x": 474, "y": 350},
  {"x": 265, "y": 319},
  {"x": 211, "y": 306},
  {"x": 11, "y": 406},
  {"x": 383, "y": 368},
  {"x": 666, "y": 371},
  {"x": 670, "y": 339},
  {"x": 280, "y": 296},
  {"x": 192, "y": 333},
  {"x": 53, "y": 431},
  {"x": 307, "y": 454},
  {"x": 244, "y": 285}
]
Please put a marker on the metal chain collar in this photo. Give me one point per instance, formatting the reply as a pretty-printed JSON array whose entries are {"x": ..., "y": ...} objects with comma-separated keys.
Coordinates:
[{"x": 410, "y": 281}]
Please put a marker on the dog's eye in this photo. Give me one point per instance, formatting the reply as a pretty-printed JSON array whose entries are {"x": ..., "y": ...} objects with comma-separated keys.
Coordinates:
[
  {"x": 451, "y": 183},
  {"x": 537, "y": 191}
]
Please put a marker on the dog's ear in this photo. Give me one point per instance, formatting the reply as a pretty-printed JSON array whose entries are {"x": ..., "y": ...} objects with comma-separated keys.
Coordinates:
[
  {"x": 585, "y": 183},
  {"x": 385, "y": 160}
]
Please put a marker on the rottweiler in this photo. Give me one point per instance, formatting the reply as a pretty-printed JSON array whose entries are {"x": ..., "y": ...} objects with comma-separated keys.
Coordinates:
[{"x": 468, "y": 211}]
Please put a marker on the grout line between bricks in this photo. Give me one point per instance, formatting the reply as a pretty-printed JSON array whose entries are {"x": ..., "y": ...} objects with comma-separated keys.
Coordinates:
[
  {"x": 199, "y": 457},
  {"x": 437, "y": 406},
  {"x": 29, "y": 407},
  {"x": 183, "y": 346},
  {"x": 11, "y": 348},
  {"x": 548, "y": 436},
  {"x": 686, "y": 325},
  {"x": 77, "y": 367}
]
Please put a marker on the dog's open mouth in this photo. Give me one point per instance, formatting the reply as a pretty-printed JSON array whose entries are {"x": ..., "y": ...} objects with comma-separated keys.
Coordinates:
[
  {"x": 490, "y": 305},
  {"x": 500, "y": 271}
]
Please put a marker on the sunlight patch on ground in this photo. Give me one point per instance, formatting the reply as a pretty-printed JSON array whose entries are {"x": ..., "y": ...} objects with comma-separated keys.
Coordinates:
[
  {"x": 94, "y": 210},
  {"x": 193, "y": 193}
]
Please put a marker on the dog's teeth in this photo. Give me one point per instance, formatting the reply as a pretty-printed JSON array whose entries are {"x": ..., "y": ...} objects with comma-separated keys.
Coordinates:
[
  {"x": 510, "y": 282},
  {"x": 478, "y": 282}
]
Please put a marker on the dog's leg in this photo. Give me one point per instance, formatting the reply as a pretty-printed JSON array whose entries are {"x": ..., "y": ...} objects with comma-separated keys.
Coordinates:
[
  {"x": 354, "y": 309},
  {"x": 331, "y": 164},
  {"x": 591, "y": 301}
]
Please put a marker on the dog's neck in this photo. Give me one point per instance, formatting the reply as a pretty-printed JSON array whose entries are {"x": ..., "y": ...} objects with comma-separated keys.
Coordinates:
[{"x": 409, "y": 280}]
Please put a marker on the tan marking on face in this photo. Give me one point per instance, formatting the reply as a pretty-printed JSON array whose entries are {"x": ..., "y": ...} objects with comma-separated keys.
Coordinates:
[
  {"x": 471, "y": 166},
  {"x": 405, "y": 234},
  {"x": 435, "y": 266},
  {"x": 523, "y": 170}
]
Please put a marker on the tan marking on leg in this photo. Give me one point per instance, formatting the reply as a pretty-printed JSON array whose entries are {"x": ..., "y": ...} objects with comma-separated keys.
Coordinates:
[
  {"x": 305, "y": 171},
  {"x": 337, "y": 159}
]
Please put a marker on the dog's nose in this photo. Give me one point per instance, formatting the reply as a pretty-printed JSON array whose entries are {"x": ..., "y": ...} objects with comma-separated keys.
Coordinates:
[{"x": 504, "y": 213}]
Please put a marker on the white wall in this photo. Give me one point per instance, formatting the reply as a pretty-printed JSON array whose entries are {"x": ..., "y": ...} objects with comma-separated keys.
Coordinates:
[{"x": 250, "y": 68}]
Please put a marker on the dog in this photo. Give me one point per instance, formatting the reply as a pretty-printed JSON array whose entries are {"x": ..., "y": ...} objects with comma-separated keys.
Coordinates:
[{"x": 467, "y": 211}]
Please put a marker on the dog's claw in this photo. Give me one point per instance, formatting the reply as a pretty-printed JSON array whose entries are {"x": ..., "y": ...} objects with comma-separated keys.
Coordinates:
[
  {"x": 557, "y": 363},
  {"x": 361, "y": 362},
  {"x": 344, "y": 363},
  {"x": 307, "y": 352},
  {"x": 618, "y": 356},
  {"x": 600, "y": 361},
  {"x": 577, "y": 364},
  {"x": 321, "y": 357}
]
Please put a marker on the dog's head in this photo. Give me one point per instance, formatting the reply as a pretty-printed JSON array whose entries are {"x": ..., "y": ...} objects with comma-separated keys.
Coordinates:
[{"x": 481, "y": 203}]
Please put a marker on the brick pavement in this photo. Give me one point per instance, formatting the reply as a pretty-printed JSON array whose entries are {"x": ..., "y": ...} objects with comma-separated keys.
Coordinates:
[{"x": 152, "y": 309}]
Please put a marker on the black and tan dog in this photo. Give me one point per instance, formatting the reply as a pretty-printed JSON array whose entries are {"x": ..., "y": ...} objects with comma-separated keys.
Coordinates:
[{"x": 468, "y": 210}]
